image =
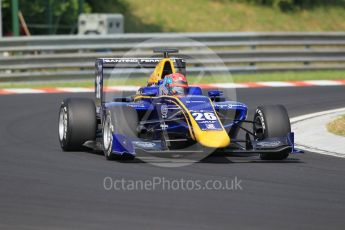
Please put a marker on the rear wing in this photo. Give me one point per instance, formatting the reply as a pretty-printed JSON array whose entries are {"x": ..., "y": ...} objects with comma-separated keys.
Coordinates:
[{"x": 135, "y": 63}]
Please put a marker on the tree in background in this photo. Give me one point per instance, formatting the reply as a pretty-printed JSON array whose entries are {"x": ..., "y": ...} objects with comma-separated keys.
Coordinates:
[
  {"x": 61, "y": 16},
  {"x": 108, "y": 6},
  {"x": 46, "y": 16}
]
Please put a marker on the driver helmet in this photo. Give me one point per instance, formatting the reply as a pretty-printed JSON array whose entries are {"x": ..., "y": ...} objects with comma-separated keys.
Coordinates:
[{"x": 174, "y": 84}]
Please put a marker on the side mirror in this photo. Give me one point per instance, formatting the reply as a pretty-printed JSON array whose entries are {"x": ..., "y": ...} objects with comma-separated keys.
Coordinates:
[
  {"x": 215, "y": 93},
  {"x": 149, "y": 91}
]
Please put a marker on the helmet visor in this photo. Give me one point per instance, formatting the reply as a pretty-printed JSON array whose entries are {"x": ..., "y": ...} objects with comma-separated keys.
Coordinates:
[{"x": 177, "y": 90}]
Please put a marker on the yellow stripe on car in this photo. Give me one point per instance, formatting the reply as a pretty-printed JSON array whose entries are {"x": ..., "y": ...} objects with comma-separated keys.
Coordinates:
[{"x": 207, "y": 138}]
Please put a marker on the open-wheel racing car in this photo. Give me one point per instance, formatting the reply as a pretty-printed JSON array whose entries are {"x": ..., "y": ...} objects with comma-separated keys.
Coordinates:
[{"x": 169, "y": 116}]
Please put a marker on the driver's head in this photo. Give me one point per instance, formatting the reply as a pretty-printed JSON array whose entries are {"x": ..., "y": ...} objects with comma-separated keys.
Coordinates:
[{"x": 174, "y": 84}]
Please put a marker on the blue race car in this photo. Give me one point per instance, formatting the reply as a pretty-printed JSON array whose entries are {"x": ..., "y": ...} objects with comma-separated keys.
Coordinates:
[{"x": 168, "y": 116}]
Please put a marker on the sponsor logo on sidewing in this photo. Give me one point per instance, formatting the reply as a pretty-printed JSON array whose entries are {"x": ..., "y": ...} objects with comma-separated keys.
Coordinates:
[
  {"x": 143, "y": 144},
  {"x": 269, "y": 143}
]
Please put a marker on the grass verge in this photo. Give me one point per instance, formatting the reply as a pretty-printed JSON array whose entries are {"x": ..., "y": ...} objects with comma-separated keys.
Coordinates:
[
  {"x": 221, "y": 15},
  {"x": 337, "y": 126}
]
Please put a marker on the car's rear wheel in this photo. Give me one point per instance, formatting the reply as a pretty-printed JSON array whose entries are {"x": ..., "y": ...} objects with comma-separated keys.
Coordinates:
[
  {"x": 77, "y": 123},
  {"x": 271, "y": 121},
  {"x": 122, "y": 120}
]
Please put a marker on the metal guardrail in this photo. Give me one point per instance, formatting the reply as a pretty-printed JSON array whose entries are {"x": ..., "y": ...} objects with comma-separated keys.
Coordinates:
[{"x": 72, "y": 57}]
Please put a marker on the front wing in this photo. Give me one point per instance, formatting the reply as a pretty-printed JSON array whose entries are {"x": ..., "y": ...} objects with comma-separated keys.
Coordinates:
[{"x": 124, "y": 145}]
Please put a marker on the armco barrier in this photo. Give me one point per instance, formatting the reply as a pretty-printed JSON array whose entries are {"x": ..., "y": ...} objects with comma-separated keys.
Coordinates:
[{"x": 72, "y": 57}]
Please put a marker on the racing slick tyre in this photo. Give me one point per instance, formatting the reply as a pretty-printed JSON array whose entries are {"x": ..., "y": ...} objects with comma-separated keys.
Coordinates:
[
  {"x": 77, "y": 123},
  {"x": 122, "y": 120},
  {"x": 271, "y": 121}
]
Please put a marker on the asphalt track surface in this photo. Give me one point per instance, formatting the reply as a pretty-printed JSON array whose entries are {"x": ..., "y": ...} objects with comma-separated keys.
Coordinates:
[{"x": 42, "y": 187}]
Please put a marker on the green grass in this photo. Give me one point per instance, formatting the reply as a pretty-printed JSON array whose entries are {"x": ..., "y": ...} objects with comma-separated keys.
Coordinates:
[
  {"x": 292, "y": 76},
  {"x": 219, "y": 15},
  {"x": 337, "y": 126},
  {"x": 238, "y": 78}
]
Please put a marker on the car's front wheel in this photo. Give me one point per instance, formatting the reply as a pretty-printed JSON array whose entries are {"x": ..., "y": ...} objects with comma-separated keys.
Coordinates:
[{"x": 271, "y": 121}]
